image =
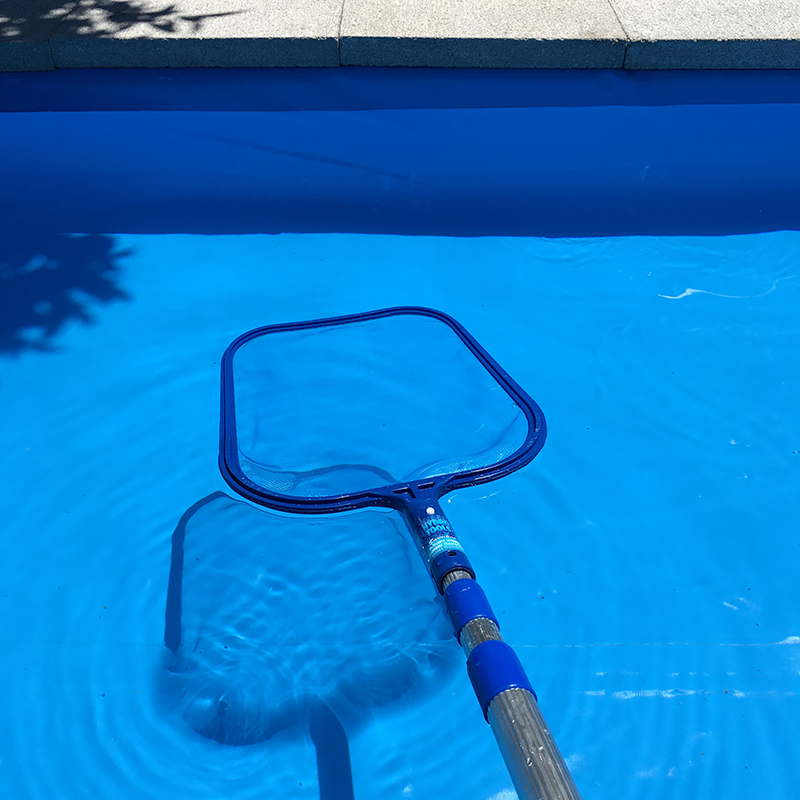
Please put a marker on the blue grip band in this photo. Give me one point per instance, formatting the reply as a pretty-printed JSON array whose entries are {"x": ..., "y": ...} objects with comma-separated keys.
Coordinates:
[
  {"x": 464, "y": 601},
  {"x": 493, "y": 667}
]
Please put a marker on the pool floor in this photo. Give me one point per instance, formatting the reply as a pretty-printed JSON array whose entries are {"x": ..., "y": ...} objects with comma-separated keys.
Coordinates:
[{"x": 644, "y": 566}]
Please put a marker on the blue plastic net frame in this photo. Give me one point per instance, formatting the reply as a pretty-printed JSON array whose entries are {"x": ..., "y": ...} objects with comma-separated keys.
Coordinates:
[{"x": 395, "y": 495}]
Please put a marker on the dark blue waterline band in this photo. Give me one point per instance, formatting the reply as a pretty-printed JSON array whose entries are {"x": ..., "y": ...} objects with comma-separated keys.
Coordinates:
[
  {"x": 466, "y": 601},
  {"x": 369, "y": 88},
  {"x": 494, "y": 667}
]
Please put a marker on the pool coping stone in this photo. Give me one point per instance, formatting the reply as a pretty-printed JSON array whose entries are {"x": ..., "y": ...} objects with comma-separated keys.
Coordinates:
[{"x": 40, "y": 35}]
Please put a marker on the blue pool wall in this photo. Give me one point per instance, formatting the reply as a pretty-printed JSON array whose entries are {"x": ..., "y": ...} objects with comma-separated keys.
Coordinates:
[{"x": 417, "y": 152}]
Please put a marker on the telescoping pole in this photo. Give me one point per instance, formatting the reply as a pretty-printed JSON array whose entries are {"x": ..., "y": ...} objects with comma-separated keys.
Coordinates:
[
  {"x": 505, "y": 694},
  {"x": 536, "y": 766}
]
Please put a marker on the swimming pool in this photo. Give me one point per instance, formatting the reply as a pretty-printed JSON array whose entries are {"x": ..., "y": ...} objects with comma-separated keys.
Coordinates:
[{"x": 626, "y": 246}]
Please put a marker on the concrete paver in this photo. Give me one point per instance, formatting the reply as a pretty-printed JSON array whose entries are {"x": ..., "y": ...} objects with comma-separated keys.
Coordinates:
[
  {"x": 182, "y": 33},
  {"x": 709, "y": 34},
  {"x": 484, "y": 33}
]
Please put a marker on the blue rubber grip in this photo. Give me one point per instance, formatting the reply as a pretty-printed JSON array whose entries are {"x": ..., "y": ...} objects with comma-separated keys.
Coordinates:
[
  {"x": 493, "y": 667},
  {"x": 464, "y": 601}
]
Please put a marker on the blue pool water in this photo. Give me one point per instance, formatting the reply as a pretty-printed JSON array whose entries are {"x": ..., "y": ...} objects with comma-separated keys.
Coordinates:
[{"x": 632, "y": 260}]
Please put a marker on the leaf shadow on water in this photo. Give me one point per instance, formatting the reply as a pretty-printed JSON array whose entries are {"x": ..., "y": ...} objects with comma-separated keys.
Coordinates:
[
  {"x": 65, "y": 19},
  {"x": 48, "y": 280},
  {"x": 279, "y": 626}
]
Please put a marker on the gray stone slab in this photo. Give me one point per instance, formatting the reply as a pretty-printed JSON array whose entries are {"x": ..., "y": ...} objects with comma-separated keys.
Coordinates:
[
  {"x": 160, "y": 33},
  {"x": 710, "y": 34},
  {"x": 19, "y": 56},
  {"x": 707, "y": 54},
  {"x": 495, "y": 53},
  {"x": 24, "y": 38},
  {"x": 481, "y": 33},
  {"x": 229, "y": 52}
]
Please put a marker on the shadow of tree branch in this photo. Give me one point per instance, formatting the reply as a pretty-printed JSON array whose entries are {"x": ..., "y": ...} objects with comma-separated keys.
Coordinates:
[
  {"x": 50, "y": 279},
  {"x": 26, "y": 19}
]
